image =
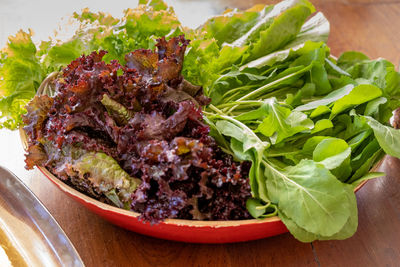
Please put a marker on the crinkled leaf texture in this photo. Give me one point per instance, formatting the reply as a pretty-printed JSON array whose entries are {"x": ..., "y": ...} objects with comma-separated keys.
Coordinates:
[
  {"x": 105, "y": 174},
  {"x": 120, "y": 113},
  {"x": 37, "y": 113},
  {"x": 248, "y": 146},
  {"x": 20, "y": 76}
]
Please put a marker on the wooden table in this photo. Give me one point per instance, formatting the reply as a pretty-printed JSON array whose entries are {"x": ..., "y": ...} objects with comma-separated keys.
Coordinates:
[{"x": 365, "y": 25}]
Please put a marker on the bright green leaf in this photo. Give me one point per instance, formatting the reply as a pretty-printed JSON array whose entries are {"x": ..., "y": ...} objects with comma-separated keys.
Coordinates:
[
  {"x": 281, "y": 123},
  {"x": 322, "y": 125},
  {"x": 328, "y": 99},
  {"x": 319, "y": 193},
  {"x": 388, "y": 138},
  {"x": 360, "y": 94}
]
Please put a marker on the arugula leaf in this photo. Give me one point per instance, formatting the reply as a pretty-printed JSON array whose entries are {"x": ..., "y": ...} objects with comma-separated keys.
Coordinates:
[
  {"x": 311, "y": 143},
  {"x": 258, "y": 209},
  {"x": 334, "y": 154},
  {"x": 373, "y": 70},
  {"x": 359, "y": 95},
  {"x": 298, "y": 232},
  {"x": 280, "y": 122},
  {"x": 322, "y": 125},
  {"x": 347, "y": 231},
  {"x": 308, "y": 90},
  {"x": 320, "y": 110},
  {"x": 381, "y": 73},
  {"x": 366, "y": 153},
  {"x": 233, "y": 78},
  {"x": 237, "y": 148},
  {"x": 372, "y": 107},
  {"x": 363, "y": 170},
  {"x": 242, "y": 133},
  {"x": 249, "y": 140},
  {"x": 319, "y": 77},
  {"x": 334, "y": 70},
  {"x": 255, "y": 207},
  {"x": 392, "y": 81},
  {"x": 351, "y": 225},
  {"x": 319, "y": 192},
  {"x": 388, "y": 138},
  {"x": 357, "y": 140},
  {"x": 218, "y": 136},
  {"x": 281, "y": 55},
  {"x": 328, "y": 99},
  {"x": 353, "y": 125},
  {"x": 331, "y": 152}
]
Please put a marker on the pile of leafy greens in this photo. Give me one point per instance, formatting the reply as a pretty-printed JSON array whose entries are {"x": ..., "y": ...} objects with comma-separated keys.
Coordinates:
[{"x": 312, "y": 125}]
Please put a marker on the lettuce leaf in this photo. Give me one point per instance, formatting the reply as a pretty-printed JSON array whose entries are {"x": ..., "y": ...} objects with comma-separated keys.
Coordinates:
[
  {"x": 107, "y": 176},
  {"x": 20, "y": 76},
  {"x": 38, "y": 110},
  {"x": 284, "y": 28},
  {"x": 116, "y": 110},
  {"x": 138, "y": 28},
  {"x": 23, "y": 66},
  {"x": 233, "y": 24}
]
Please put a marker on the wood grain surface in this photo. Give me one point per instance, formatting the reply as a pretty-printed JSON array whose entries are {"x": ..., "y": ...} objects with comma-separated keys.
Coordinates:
[{"x": 369, "y": 26}]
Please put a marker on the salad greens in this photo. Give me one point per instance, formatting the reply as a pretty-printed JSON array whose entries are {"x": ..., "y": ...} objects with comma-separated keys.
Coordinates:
[
  {"x": 23, "y": 66},
  {"x": 107, "y": 175},
  {"x": 312, "y": 125}
]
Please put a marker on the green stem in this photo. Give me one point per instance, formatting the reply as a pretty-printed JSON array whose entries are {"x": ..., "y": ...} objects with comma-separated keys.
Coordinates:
[
  {"x": 214, "y": 108},
  {"x": 240, "y": 103},
  {"x": 242, "y": 88},
  {"x": 273, "y": 213},
  {"x": 274, "y": 93},
  {"x": 274, "y": 155},
  {"x": 267, "y": 87},
  {"x": 264, "y": 207},
  {"x": 228, "y": 99},
  {"x": 243, "y": 126}
]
